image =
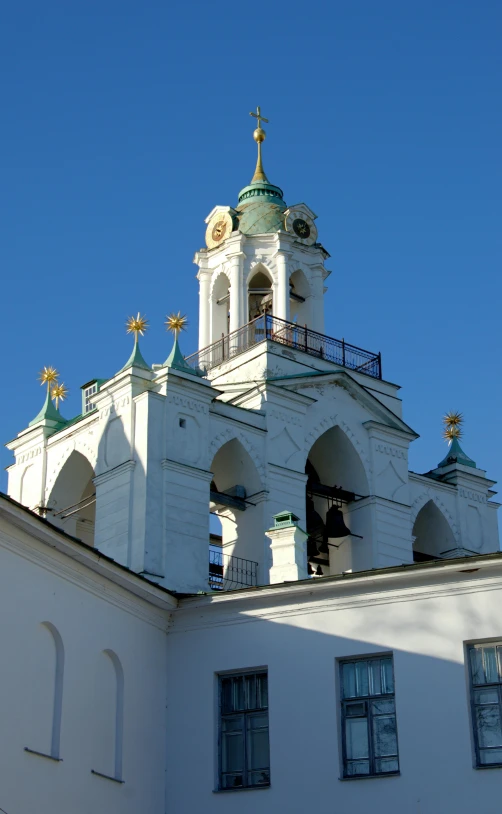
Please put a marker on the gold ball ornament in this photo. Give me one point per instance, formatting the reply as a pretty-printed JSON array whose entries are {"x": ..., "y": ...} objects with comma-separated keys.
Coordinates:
[{"x": 259, "y": 135}]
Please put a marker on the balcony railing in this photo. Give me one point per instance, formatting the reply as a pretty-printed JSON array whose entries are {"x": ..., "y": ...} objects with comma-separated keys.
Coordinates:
[
  {"x": 293, "y": 336},
  {"x": 226, "y": 573}
]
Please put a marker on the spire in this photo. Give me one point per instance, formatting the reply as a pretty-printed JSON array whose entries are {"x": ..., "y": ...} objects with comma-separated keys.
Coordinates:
[
  {"x": 453, "y": 431},
  {"x": 136, "y": 325},
  {"x": 177, "y": 323},
  {"x": 259, "y": 136},
  {"x": 50, "y": 412}
]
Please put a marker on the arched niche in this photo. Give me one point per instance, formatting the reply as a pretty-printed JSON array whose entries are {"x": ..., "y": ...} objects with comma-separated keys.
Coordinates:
[
  {"x": 260, "y": 293},
  {"x": 46, "y": 695},
  {"x": 235, "y": 486},
  {"x": 300, "y": 299},
  {"x": 109, "y": 715},
  {"x": 334, "y": 461},
  {"x": 220, "y": 307},
  {"x": 72, "y": 499},
  {"x": 432, "y": 533}
]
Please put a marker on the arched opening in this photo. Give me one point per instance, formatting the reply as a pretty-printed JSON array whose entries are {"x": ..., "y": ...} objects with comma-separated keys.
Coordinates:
[
  {"x": 432, "y": 534},
  {"x": 260, "y": 296},
  {"x": 72, "y": 501},
  {"x": 109, "y": 716},
  {"x": 300, "y": 305},
  {"x": 220, "y": 307},
  {"x": 336, "y": 486},
  {"x": 46, "y": 694},
  {"x": 238, "y": 519}
]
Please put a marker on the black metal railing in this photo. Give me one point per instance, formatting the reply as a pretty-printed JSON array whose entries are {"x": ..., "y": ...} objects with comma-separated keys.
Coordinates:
[
  {"x": 293, "y": 336},
  {"x": 226, "y": 573}
]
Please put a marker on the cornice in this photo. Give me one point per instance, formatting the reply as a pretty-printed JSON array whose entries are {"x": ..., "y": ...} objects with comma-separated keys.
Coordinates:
[
  {"x": 195, "y": 472},
  {"x": 103, "y": 477}
]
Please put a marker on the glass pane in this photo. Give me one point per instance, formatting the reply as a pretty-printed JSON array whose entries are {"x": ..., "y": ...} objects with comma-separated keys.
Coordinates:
[
  {"x": 490, "y": 664},
  {"x": 384, "y": 735},
  {"x": 231, "y": 781},
  {"x": 250, "y": 692},
  {"x": 488, "y": 757},
  {"x": 499, "y": 654},
  {"x": 477, "y": 672},
  {"x": 348, "y": 680},
  {"x": 383, "y": 707},
  {"x": 261, "y": 778},
  {"x": 486, "y": 696},
  {"x": 356, "y": 738},
  {"x": 375, "y": 677},
  {"x": 357, "y": 767},
  {"x": 489, "y": 728},
  {"x": 226, "y": 695},
  {"x": 388, "y": 764},
  {"x": 356, "y": 710},
  {"x": 262, "y": 690},
  {"x": 257, "y": 752},
  {"x": 234, "y": 724},
  {"x": 362, "y": 686},
  {"x": 387, "y": 676},
  {"x": 239, "y": 699},
  {"x": 232, "y": 751}
]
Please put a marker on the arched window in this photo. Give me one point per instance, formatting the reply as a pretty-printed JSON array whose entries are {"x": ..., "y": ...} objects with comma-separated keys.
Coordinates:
[
  {"x": 72, "y": 501},
  {"x": 220, "y": 307},
  {"x": 109, "y": 716},
  {"x": 432, "y": 534},
  {"x": 300, "y": 302},
  {"x": 333, "y": 461},
  {"x": 260, "y": 295}
]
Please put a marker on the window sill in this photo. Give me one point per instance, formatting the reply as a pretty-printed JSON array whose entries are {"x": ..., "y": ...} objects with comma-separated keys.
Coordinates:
[
  {"x": 107, "y": 777},
  {"x": 489, "y": 766},
  {"x": 370, "y": 776},
  {"x": 240, "y": 788},
  {"x": 42, "y": 754}
]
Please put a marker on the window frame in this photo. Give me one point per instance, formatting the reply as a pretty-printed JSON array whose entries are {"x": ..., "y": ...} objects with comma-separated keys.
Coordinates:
[
  {"x": 469, "y": 647},
  {"x": 245, "y": 715},
  {"x": 366, "y": 700}
]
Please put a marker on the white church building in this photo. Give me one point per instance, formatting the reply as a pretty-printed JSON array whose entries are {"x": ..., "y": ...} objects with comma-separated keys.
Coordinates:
[{"x": 338, "y": 647}]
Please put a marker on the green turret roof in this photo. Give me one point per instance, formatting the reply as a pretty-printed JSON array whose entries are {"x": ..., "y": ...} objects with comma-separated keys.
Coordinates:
[
  {"x": 50, "y": 413},
  {"x": 136, "y": 359},
  {"x": 177, "y": 360},
  {"x": 456, "y": 455}
]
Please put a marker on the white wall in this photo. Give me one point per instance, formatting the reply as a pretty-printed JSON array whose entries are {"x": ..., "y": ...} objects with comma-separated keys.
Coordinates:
[
  {"x": 298, "y": 635},
  {"x": 91, "y": 615}
]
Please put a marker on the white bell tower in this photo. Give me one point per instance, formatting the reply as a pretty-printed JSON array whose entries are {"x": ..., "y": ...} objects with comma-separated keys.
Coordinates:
[{"x": 261, "y": 258}]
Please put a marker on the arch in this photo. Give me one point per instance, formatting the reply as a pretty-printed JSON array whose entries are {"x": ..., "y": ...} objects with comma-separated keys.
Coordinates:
[
  {"x": 424, "y": 498},
  {"x": 228, "y": 435},
  {"x": 432, "y": 533},
  {"x": 219, "y": 305},
  {"x": 73, "y": 490},
  {"x": 78, "y": 445},
  {"x": 260, "y": 292},
  {"x": 334, "y": 421},
  {"x": 258, "y": 267},
  {"x": 109, "y": 710},
  {"x": 57, "y": 704},
  {"x": 299, "y": 289}
]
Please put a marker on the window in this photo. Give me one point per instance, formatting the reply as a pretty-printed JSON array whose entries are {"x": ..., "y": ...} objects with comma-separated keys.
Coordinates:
[
  {"x": 369, "y": 733},
  {"x": 485, "y": 661},
  {"x": 89, "y": 406},
  {"x": 244, "y": 752}
]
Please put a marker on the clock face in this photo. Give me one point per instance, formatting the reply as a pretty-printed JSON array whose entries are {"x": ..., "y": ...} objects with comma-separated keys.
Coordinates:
[
  {"x": 301, "y": 228},
  {"x": 218, "y": 229}
]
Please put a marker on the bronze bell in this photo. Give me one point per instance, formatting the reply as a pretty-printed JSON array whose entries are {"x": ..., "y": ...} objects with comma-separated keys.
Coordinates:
[{"x": 335, "y": 524}]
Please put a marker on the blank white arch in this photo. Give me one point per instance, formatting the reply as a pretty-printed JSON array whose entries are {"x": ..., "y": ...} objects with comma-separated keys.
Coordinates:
[{"x": 57, "y": 709}]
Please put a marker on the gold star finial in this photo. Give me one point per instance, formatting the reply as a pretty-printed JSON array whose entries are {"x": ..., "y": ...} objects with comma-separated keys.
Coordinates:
[
  {"x": 137, "y": 325},
  {"x": 259, "y": 136},
  {"x": 176, "y": 323},
  {"x": 452, "y": 425},
  {"x": 48, "y": 376},
  {"x": 59, "y": 393}
]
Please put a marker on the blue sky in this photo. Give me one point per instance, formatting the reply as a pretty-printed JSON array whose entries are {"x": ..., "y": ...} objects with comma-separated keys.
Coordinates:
[{"x": 124, "y": 123}]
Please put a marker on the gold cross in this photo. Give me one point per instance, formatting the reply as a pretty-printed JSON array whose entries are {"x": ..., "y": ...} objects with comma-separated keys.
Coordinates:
[{"x": 258, "y": 116}]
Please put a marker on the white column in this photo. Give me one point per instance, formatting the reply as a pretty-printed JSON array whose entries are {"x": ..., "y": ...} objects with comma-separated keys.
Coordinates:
[
  {"x": 317, "y": 299},
  {"x": 289, "y": 549},
  {"x": 281, "y": 305},
  {"x": 236, "y": 291},
  {"x": 204, "y": 308}
]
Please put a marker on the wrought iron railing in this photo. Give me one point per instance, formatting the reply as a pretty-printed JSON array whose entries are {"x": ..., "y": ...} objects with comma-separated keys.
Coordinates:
[
  {"x": 293, "y": 336},
  {"x": 226, "y": 573}
]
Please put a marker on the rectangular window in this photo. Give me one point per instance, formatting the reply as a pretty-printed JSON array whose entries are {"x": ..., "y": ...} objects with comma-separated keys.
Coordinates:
[
  {"x": 369, "y": 732},
  {"x": 244, "y": 752},
  {"x": 485, "y": 668},
  {"x": 89, "y": 406}
]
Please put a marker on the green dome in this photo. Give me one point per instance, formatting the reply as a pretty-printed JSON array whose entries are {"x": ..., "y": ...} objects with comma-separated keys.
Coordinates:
[{"x": 261, "y": 208}]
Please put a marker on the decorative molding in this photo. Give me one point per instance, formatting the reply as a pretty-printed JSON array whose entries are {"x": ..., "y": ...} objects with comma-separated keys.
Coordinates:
[
  {"x": 193, "y": 471},
  {"x": 103, "y": 477}
]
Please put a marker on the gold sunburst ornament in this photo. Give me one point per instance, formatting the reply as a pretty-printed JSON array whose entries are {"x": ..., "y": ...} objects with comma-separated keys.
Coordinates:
[
  {"x": 137, "y": 325},
  {"x": 59, "y": 393},
  {"x": 48, "y": 376},
  {"x": 176, "y": 323},
  {"x": 452, "y": 425}
]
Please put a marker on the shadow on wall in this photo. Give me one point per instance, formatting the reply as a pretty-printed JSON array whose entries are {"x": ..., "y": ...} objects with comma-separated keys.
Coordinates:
[{"x": 431, "y": 696}]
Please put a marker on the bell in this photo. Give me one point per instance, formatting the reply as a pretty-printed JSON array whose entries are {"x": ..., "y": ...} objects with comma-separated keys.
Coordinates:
[
  {"x": 319, "y": 572},
  {"x": 335, "y": 524}
]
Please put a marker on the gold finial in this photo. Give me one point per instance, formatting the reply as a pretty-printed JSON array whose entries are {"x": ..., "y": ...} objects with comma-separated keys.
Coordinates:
[
  {"x": 59, "y": 393},
  {"x": 137, "y": 325},
  {"x": 452, "y": 425},
  {"x": 259, "y": 136},
  {"x": 48, "y": 376},
  {"x": 176, "y": 323}
]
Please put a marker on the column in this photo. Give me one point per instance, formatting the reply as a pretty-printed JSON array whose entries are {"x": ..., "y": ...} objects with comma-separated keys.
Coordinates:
[
  {"x": 237, "y": 292},
  {"x": 204, "y": 308},
  {"x": 289, "y": 549},
  {"x": 281, "y": 305}
]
